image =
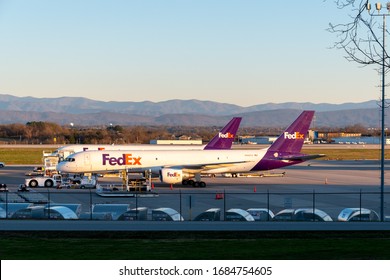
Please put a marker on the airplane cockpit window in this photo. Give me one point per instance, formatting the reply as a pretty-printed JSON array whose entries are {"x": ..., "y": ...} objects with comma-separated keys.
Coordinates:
[{"x": 70, "y": 159}]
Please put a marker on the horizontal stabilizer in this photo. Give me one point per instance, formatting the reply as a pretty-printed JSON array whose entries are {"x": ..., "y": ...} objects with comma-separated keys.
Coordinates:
[{"x": 300, "y": 157}]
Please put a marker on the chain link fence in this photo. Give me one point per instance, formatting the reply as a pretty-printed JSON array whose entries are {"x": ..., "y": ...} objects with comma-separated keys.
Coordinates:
[{"x": 194, "y": 206}]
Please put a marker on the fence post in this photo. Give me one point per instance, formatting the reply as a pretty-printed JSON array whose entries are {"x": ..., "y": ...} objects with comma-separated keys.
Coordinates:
[
  {"x": 136, "y": 207},
  {"x": 48, "y": 204},
  {"x": 360, "y": 204},
  {"x": 314, "y": 204},
  {"x": 6, "y": 204},
  {"x": 180, "y": 203},
  {"x": 190, "y": 203},
  {"x": 224, "y": 204},
  {"x": 90, "y": 204},
  {"x": 268, "y": 204}
]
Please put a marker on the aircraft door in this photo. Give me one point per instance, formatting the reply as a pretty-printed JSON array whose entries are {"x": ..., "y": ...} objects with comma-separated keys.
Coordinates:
[{"x": 87, "y": 159}]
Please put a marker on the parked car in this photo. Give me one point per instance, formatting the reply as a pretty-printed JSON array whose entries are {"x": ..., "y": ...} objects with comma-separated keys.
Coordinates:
[
  {"x": 261, "y": 214},
  {"x": 166, "y": 214},
  {"x": 284, "y": 215},
  {"x": 302, "y": 214},
  {"x": 307, "y": 214},
  {"x": 235, "y": 215},
  {"x": 3, "y": 188},
  {"x": 358, "y": 214},
  {"x": 212, "y": 214}
]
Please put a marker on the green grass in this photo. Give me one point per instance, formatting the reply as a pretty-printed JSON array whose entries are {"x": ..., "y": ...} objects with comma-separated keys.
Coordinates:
[
  {"x": 21, "y": 155},
  {"x": 199, "y": 246},
  {"x": 347, "y": 154}
]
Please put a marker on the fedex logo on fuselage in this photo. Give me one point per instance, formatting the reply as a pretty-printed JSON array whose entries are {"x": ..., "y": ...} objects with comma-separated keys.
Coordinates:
[
  {"x": 294, "y": 136},
  {"x": 125, "y": 159},
  {"x": 226, "y": 135}
]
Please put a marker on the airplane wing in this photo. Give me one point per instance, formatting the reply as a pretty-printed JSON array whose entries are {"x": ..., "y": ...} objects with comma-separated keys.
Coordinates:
[{"x": 197, "y": 168}]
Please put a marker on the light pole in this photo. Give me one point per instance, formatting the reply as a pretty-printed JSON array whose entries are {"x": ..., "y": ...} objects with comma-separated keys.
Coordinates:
[{"x": 378, "y": 7}]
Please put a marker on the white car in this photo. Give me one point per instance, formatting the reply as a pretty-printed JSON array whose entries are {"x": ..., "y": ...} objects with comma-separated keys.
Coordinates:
[{"x": 2, "y": 164}]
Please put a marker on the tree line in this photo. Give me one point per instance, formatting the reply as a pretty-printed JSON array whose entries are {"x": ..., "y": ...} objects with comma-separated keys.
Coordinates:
[{"x": 37, "y": 132}]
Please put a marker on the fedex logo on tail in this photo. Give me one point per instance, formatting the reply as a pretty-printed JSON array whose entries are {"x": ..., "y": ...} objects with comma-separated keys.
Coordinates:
[
  {"x": 294, "y": 136},
  {"x": 125, "y": 159},
  {"x": 226, "y": 135}
]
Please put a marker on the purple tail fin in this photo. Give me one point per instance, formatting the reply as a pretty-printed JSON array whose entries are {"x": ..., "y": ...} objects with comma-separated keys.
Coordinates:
[
  {"x": 224, "y": 139},
  {"x": 286, "y": 150},
  {"x": 292, "y": 139}
]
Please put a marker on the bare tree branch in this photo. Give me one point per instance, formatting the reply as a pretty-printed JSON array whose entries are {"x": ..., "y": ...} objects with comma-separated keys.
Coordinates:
[{"x": 362, "y": 37}]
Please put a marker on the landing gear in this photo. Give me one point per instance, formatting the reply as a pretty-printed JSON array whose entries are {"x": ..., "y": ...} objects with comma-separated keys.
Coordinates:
[
  {"x": 187, "y": 182},
  {"x": 195, "y": 184}
]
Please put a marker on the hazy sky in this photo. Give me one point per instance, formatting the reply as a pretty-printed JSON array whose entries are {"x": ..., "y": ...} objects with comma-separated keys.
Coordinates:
[{"x": 243, "y": 52}]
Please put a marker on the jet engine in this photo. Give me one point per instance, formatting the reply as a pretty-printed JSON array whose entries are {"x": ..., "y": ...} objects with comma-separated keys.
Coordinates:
[{"x": 171, "y": 176}]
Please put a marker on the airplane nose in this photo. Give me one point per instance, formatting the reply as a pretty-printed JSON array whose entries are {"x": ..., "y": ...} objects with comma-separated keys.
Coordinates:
[{"x": 62, "y": 167}]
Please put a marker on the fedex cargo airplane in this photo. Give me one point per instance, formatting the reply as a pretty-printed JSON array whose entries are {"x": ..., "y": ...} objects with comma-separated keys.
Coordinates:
[
  {"x": 222, "y": 140},
  {"x": 182, "y": 166}
]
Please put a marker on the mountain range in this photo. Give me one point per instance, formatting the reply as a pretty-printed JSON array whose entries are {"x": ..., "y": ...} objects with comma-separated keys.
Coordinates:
[{"x": 83, "y": 111}]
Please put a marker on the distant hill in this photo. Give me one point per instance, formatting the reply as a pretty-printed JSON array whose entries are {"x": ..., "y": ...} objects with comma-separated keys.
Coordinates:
[{"x": 83, "y": 111}]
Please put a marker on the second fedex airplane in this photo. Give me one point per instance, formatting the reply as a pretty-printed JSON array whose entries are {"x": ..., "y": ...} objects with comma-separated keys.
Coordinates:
[
  {"x": 222, "y": 140},
  {"x": 182, "y": 166}
]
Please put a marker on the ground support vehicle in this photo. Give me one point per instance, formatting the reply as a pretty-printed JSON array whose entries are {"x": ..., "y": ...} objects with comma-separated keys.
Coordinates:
[
  {"x": 78, "y": 181},
  {"x": 62, "y": 181},
  {"x": 130, "y": 187},
  {"x": 37, "y": 171},
  {"x": 47, "y": 182}
]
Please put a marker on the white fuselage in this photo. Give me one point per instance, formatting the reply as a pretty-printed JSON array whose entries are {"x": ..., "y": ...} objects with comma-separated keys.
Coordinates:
[
  {"x": 210, "y": 161},
  {"x": 65, "y": 151}
]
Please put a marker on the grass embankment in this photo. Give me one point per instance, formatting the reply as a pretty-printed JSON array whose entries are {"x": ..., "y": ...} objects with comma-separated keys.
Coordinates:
[
  {"x": 34, "y": 155},
  {"x": 200, "y": 246}
]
